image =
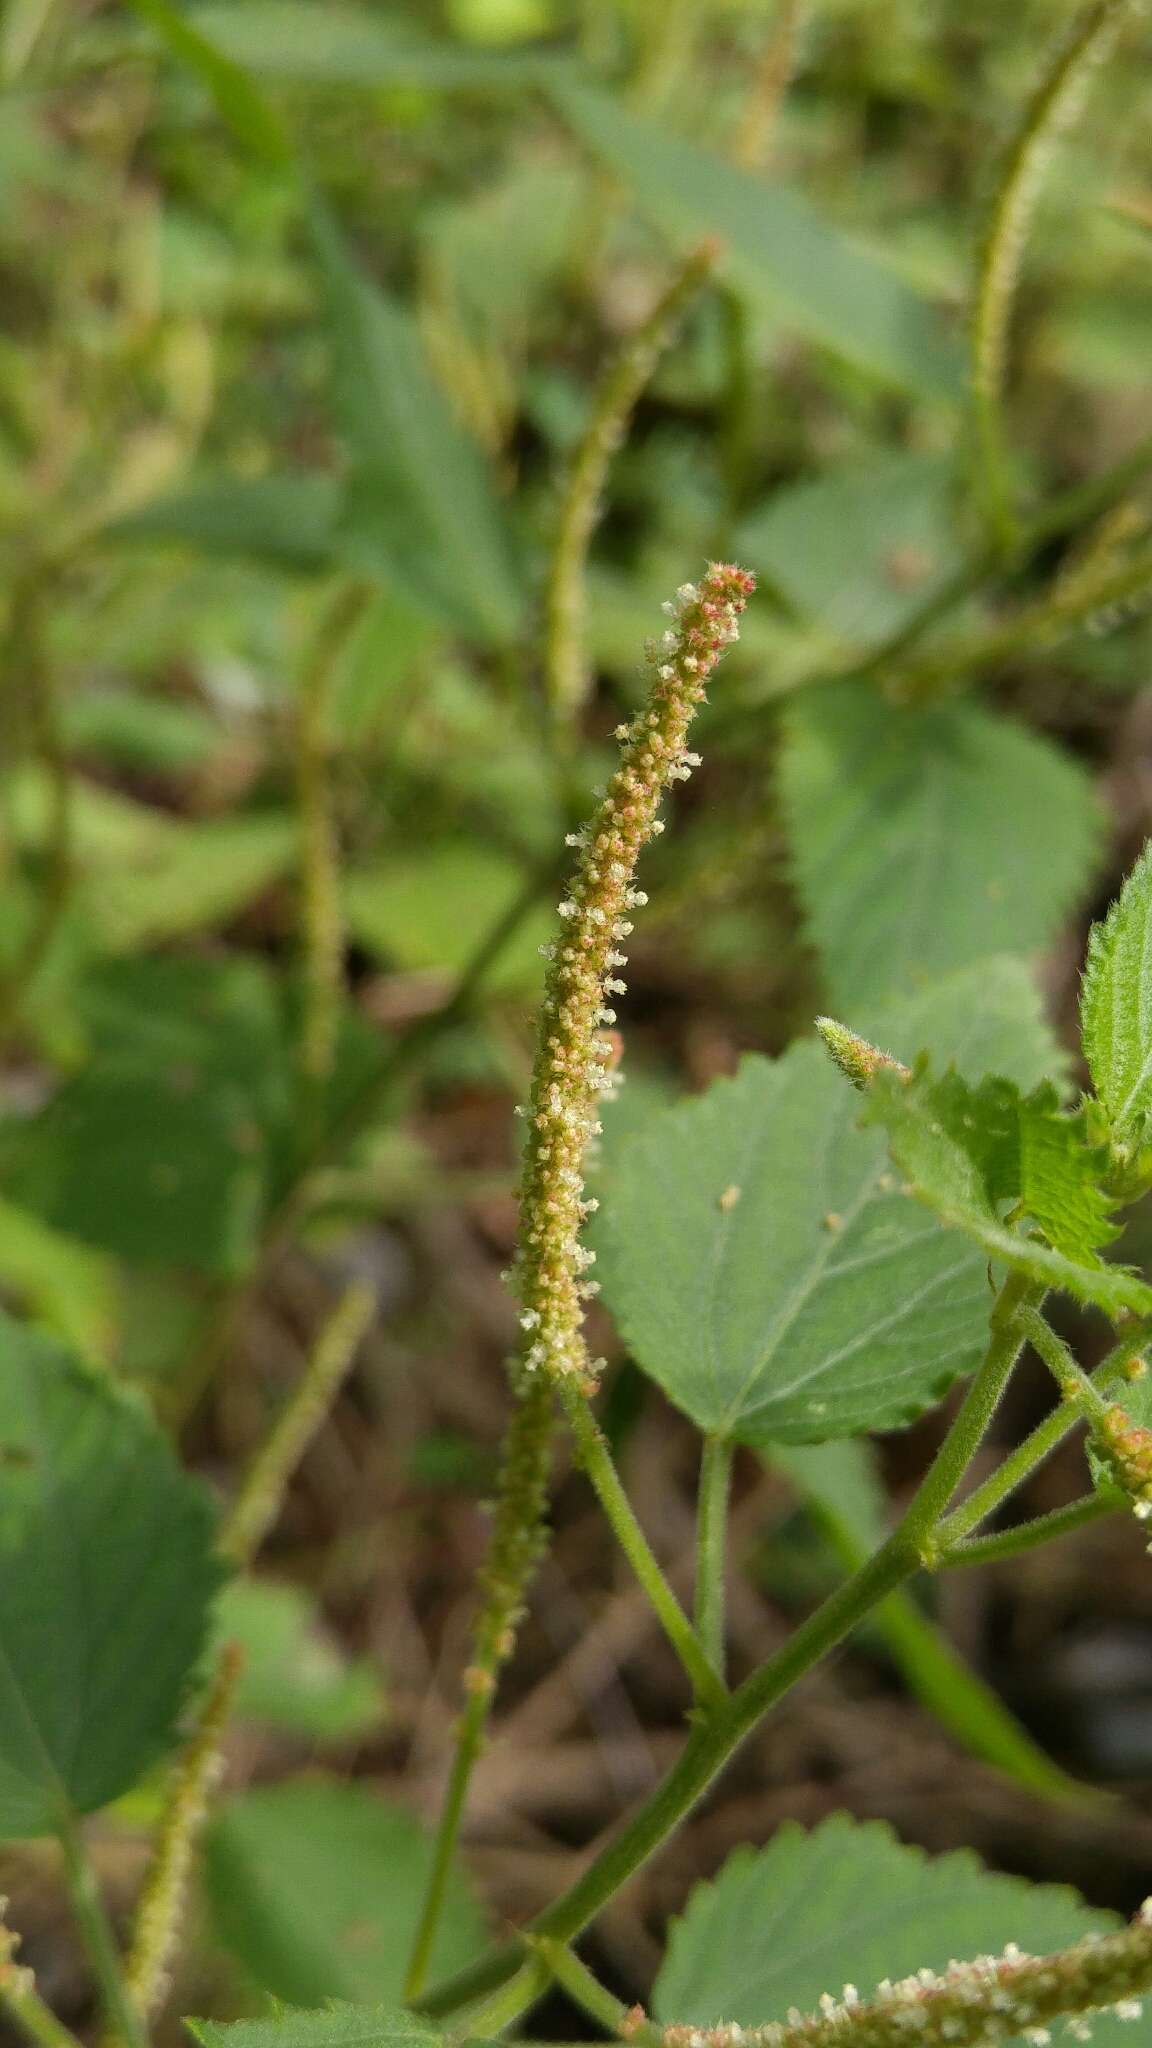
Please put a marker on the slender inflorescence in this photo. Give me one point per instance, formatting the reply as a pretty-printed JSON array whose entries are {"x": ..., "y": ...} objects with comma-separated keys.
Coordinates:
[
  {"x": 262, "y": 1494},
  {"x": 162, "y": 1910},
  {"x": 574, "y": 1067},
  {"x": 1052, "y": 110},
  {"x": 565, "y": 663},
  {"x": 575, "y": 1060},
  {"x": 969, "y": 2005}
]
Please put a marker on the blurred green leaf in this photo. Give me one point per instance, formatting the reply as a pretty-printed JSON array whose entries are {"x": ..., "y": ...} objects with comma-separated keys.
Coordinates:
[
  {"x": 252, "y": 120},
  {"x": 425, "y": 910},
  {"x": 858, "y": 550},
  {"x": 199, "y": 876},
  {"x": 64, "y": 1285},
  {"x": 106, "y": 1573},
  {"x": 289, "y": 519},
  {"x": 158, "y": 1166},
  {"x": 132, "y": 730},
  {"x": 422, "y": 508},
  {"x": 352, "y": 46},
  {"x": 315, "y": 1888},
  {"x": 294, "y": 1676},
  {"x": 165, "y": 1146},
  {"x": 764, "y": 1267},
  {"x": 923, "y": 839},
  {"x": 783, "y": 1925},
  {"x": 774, "y": 244}
]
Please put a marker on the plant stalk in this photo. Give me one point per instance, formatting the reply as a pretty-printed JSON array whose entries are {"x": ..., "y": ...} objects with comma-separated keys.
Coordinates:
[
  {"x": 712, "y": 1546},
  {"x": 597, "y": 1463}
]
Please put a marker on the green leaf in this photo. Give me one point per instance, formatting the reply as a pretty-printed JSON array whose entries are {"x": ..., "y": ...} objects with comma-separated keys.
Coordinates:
[
  {"x": 197, "y": 877},
  {"x": 288, "y": 519},
  {"x": 64, "y": 1285},
  {"x": 294, "y": 1675},
  {"x": 758, "y": 1255},
  {"x": 423, "y": 911},
  {"x": 940, "y": 1139},
  {"x": 924, "y": 839},
  {"x": 162, "y": 1148},
  {"x": 847, "y": 1903},
  {"x": 1116, "y": 1006},
  {"x": 340, "y": 2026},
  {"x": 247, "y": 113},
  {"x": 1031, "y": 1151},
  {"x": 422, "y": 506},
  {"x": 840, "y": 1484},
  {"x": 155, "y": 1166},
  {"x": 316, "y": 1886},
  {"x": 859, "y": 550},
  {"x": 106, "y": 1575},
  {"x": 775, "y": 245},
  {"x": 352, "y": 47}
]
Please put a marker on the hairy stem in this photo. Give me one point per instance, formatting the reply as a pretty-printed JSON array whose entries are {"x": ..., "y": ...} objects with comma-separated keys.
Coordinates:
[
  {"x": 712, "y": 1545},
  {"x": 596, "y": 1460},
  {"x": 162, "y": 1912},
  {"x": 121, "y": 2017},
  {"x": 1027, "y": 1535},
  {"x": 1021, "y": 1463}
]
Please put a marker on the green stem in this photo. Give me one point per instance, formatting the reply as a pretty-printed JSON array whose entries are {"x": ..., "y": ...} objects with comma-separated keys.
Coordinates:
[
  {"x": 514, "y": 1550},
  {"x": 121, "y": 2017},
  {"x": 261, "y": 1495},
  {"x": 321, "y": 920},
  {"x": 974, "y": 1415},
  {"x": 1019, "y": 1466},
  {"x": 1027, "y": 1535},
  {"x": 586, "y": 1991},
  {"x": 1050, "y": 112},
  {"x": 712, "y": 1546},
  {"x": 1053, "y": 616},
  {"x": 722, "y": 1728},
  {"x": 710, "y": 1744},
  {"x": 596, "y": 1460},
  {"x": 36, "y": 2020},
  {"x": 1074, "y": 1384}
]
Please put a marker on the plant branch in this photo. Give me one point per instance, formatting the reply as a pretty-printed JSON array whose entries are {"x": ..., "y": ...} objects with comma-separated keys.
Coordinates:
[
  {"x": 1027, "y": 1535},
  {"x": 596, "y": 1460},
  {"x": 712, "y": 1545},
  {"x": 121, "y": 2017},
  {"x": 1021, "y": 1463},
  {"x": 261, "y": 1493}
]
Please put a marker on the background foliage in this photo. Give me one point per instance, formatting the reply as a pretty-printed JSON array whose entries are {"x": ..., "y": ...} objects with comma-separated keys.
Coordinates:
[{"x": 301, "y": 336}]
